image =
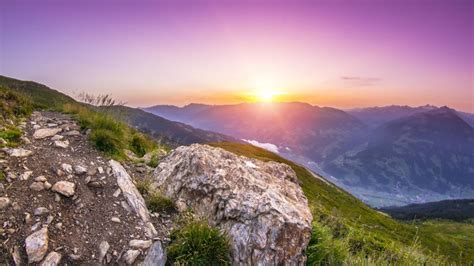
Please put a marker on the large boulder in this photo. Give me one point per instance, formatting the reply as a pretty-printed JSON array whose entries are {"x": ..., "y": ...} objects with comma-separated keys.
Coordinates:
[{"x": 259, "y": 204}]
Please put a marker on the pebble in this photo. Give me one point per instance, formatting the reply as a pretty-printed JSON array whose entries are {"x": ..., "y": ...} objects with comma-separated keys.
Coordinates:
[
  {"x": 37, "y": 186},
  {"x": 115, "y": 219},
  {"x": 130, "y": 256},
  {"x": 4, "y": 203},
  {"x": 52, "y": 259},
  {"x": 80, "y": 170},
  {"x": 65, "y": 188},
  {"x": 37, "y": 245},
  {"x": 40, "y": 211}
]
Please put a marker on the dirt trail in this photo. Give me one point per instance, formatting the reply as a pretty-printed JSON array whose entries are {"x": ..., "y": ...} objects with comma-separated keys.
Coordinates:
[{"x": 56, "y": 180}]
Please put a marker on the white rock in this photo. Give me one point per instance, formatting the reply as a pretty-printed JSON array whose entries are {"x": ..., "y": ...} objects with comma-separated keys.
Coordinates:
[
  {"x": 52, "y": 259},
  {"x": 80, "y": 170},
  {"x": 40, "y": 211},
  {"x": 4, "y": 203},
  {"x": 130, "y": 256},
  {"x": 26, "y": 175},
  {"x": 260, "y": 205},
  {"x": 40, "y": 178},
  {"x": 18, "y": 152},
  {"x": 47, "y": 185},
  {"x": 65, "y": 188},
  {"x": 67, "y": 168},
  {"x": 133, "y": 197},
  {"x": 61, "y": 144},
  {"x": 45, "y": 132},
  {"x": 103, "y": 248},
  {"x": 140, "y": 244},
  {"x": 100, "y": 169},
  {"x": 37, "y": 245},
  {"x": 115, "y": 219},
  {"x": 72, "y": 133},
  {"x": 117, "y": 192},
  {"x": 57, "y": 137},
  {"x": 37, "y": 186}
]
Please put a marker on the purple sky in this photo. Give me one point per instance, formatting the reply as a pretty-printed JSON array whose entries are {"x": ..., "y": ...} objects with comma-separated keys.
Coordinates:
[{"x": 332, "y": 53}]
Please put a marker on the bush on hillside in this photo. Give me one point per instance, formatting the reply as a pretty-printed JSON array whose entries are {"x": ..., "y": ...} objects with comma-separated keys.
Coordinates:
[{"x": 197, "y": 243}]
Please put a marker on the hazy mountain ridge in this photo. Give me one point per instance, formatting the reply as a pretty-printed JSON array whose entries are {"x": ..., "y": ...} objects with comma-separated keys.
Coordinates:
[
  {"x": 414, "y": 154},
  {"x": 458, "y": 210}
]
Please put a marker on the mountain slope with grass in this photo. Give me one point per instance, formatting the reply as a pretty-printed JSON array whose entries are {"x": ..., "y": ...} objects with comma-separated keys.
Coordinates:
[
  {"x": 347, "y": 230},
  {"x": 344, "y": 230}
]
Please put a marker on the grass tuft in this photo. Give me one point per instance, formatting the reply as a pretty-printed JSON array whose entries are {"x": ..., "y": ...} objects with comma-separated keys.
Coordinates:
[
  {"x": 197, "y": 243},
  {"x": 156, "y": 202}
]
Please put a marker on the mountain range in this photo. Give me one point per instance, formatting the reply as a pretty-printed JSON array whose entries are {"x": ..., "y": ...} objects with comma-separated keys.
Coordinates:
[{"x": 391, "y": 155}]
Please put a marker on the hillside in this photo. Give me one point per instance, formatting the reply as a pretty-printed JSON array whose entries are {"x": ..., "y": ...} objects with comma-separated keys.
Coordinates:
[
  {"x": 171, "y": 133},
  {"x": 347, "y": 224},
  {"x": 457, "y": 210},
  {"x": 344, "y": 230},
  {"x": 394, "y": 155},
  {"x": 427, "y": 151},
  {"x": 162, "y": 128}
]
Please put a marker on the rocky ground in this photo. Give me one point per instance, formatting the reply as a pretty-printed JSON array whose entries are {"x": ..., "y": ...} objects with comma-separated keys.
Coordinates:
[{"x": 62, "y": 202}]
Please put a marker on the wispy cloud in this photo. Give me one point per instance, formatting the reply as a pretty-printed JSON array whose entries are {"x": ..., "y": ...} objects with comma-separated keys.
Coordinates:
[{"x": 360, "y": 81}]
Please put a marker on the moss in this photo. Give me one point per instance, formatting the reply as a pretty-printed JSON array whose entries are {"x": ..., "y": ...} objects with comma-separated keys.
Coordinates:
[{"x": 197, "y": 243}]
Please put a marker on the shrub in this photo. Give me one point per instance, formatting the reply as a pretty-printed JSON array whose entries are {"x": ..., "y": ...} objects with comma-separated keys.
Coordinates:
[
  {"x": 154, "y": 160},
  {"x": 12, "y": 135},
  {"x": 143, "y": 186},
  {"x": 196, "y": 243},
  {"x": 159, "y": 203},
  {"x": 106, "y": 141},
  {"x": 139, "y": 144}
]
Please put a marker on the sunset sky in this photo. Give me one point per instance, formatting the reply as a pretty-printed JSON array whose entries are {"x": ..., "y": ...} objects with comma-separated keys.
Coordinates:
[{"x": 341, "y": 53}]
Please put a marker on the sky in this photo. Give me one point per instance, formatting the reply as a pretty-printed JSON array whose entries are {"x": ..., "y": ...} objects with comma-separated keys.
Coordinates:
[{"x": 342, "y": 54}]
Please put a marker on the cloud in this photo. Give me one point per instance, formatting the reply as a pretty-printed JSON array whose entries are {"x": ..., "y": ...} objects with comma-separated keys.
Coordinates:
[
  {"x": 266, "y": 146},
  {"x": 360, "y": 81}
]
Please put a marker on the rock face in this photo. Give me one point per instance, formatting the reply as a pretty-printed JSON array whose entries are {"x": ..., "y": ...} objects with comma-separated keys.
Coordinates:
[{"x": 259, "y": 204}]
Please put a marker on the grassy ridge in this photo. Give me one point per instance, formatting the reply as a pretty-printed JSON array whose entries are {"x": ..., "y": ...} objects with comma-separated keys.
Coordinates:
[{"x": 345, "y": 230}]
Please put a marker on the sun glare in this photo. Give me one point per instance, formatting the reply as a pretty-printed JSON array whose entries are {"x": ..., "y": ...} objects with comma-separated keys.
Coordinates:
[{"x": 266, "y": 95}]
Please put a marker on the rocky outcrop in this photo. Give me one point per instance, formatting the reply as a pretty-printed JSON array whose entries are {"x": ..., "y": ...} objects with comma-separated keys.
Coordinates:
[
  {"x": 259, "y": 204},
  {"x": 133, "y": 197}
]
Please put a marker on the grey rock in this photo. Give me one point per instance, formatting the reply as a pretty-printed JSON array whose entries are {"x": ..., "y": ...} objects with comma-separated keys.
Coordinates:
[
  {"x": 130, "y": 256},
  {"x": 140, "y": 244},
  {"x": 18, "y": 152},
  {"x": 66, "y": 168},
  {"x": 45, "y": 132},
  {"x": 61, "y": 144},
  {"x": 37, "y": 245},
  {"x": 156, "y": 255},
  {"x": 37, "y": 186},
  {"x": 65, "y": 188},
  {"x": 52, "y": 259},
  {"x": 40, "y": 211},
  {"x": 26, "y": 175},
  {"x": 40, "y": 178},
  {"x": 133, "y": 197},
  {"x": 260, "y": 205},
  {"x": 4, "y": 203},
  {"x": 57, "y": 137},
  {"x": 103, "y": 248},
  {"x": 72, "y": 133},
  {"x": 25, "y": 140},
  {"x": 80, "y": 170}
]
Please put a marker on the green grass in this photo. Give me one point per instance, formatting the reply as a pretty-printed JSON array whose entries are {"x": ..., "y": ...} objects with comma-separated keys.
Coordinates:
[
  {"x": 348, "y": 231},
  {"x": 197, "y": 243},
  {"x": 2, "y": 176},
  {"x": 156, "y": 202}
]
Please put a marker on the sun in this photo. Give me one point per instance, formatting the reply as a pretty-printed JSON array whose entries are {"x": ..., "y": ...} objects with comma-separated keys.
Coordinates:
[{"x": 266, "y": 95}]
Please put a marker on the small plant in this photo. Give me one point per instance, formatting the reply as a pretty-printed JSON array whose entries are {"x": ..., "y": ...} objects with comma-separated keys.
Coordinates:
[
  {"x": 197, "y": 243},
  {"x": 139, "y": 144},
  {"x": 106, "y": 141},
  {"x": 154, "y": 160},
  {"x": 159, "y": 203},
  {"x": 2, "y": 176},
  {"x": 143, "y": 186},
  {"x": 11, "y": 135}
]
